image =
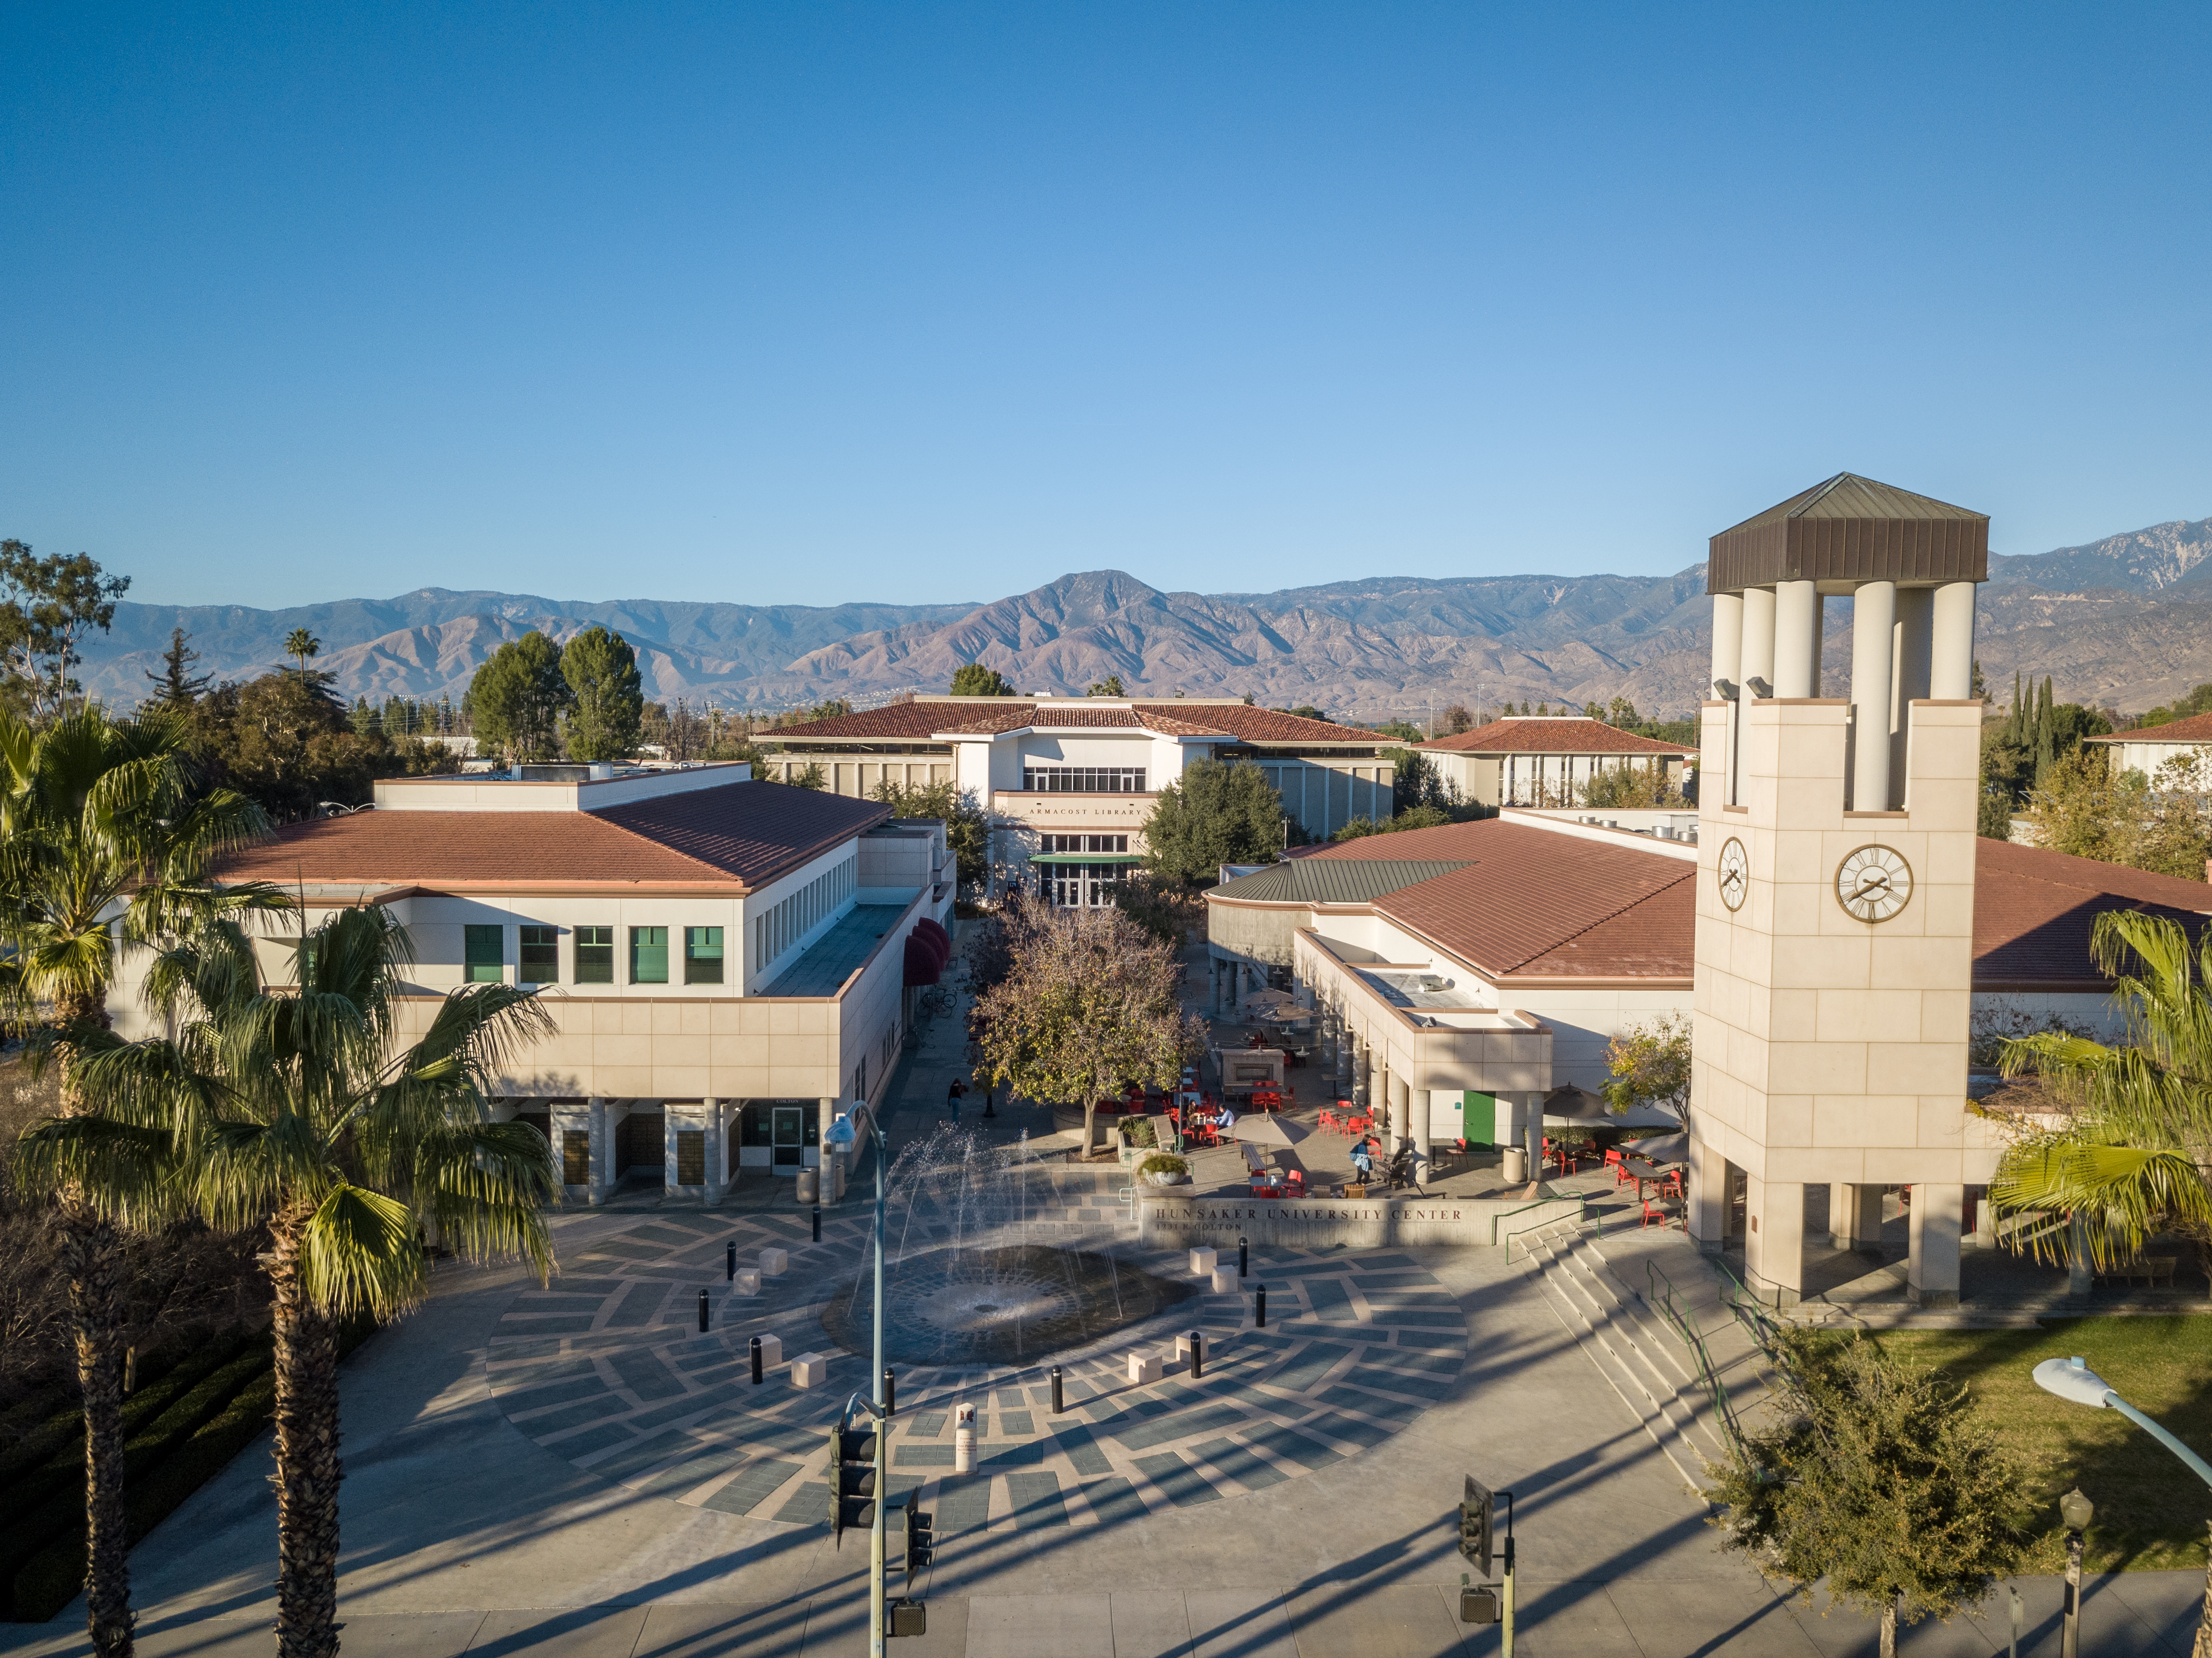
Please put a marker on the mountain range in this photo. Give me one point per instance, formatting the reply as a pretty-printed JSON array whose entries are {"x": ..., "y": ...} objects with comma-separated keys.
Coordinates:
[{"x": 2125, "y": 621}]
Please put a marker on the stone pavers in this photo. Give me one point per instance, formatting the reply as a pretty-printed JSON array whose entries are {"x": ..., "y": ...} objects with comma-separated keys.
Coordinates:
[{"x": 607, "y": 1369}]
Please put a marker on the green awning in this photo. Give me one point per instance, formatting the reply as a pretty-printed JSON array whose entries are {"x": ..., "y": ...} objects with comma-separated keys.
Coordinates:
[{"x": 1087, "y": 858}]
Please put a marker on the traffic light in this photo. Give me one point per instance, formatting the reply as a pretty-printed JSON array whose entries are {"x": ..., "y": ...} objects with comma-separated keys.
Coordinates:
[
  {"x": 1474, "y": 1523},
  {"x": 920, "y": 1542},
  {"x": 852, "y": 1479}
]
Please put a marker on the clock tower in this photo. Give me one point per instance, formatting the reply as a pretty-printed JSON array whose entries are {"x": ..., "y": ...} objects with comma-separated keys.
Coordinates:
[{"x": 1836, "y": 884}]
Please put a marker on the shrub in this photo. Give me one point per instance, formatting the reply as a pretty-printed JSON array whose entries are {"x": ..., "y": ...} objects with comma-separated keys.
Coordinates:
[{"x": 1161, "y": 1163}]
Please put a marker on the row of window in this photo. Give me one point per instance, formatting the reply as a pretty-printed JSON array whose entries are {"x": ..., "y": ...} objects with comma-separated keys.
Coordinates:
[
  {"x": 798, "y": 915},
  {"x": 1084, "y": 843},
  {"x": 483, "y": 953},
  {"x": 1083, "y": 780}
]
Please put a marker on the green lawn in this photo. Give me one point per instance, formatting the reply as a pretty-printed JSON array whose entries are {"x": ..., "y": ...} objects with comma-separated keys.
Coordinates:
[{"x": 2151, "y": 1510}]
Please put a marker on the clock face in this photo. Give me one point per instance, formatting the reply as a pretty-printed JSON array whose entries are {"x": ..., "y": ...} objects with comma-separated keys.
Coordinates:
[
  {"x": 1873, "y": 884},
  {"x": 1735, "y": 874}
]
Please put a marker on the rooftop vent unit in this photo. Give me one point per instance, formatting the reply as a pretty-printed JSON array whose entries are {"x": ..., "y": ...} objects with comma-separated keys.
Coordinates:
[{"x": 1431, "y": 982}]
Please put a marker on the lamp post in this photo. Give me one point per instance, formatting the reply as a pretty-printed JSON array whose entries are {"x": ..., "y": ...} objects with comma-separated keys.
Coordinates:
[
  {"x": 2078, "y": 1511},
  {"x": 843, "y": 1136},
  {"x": 2072, "y": 1379}
]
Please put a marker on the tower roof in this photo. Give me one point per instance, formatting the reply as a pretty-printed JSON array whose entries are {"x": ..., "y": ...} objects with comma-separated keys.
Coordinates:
[{"x": 1850, "y": 529}]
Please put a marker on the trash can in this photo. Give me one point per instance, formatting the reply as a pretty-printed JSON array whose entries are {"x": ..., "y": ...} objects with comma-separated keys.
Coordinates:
[
  {"x": 1517, "y": 1165},
  {"x": 809, "y": 1186}
]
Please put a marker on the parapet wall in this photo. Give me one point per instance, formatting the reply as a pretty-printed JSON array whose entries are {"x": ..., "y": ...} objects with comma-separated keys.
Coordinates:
[{"x": 1170, "y": 1223}]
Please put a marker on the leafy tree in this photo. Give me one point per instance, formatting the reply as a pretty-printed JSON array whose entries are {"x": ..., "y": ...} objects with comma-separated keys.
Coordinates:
[
  {"x": 1413, "y": 817},
  {"x": 967, "y": 830},
  {"x": 47, "y": 606},
  {"x": 1166, "y": 910},
  {"x": 1214, "y": 814},
  {"x": 177, "y": 685},
  {"x": 1458, "y": 718},
  {"x": 365, "y": 718},
  {"x": 517, "y": 698},
  {"x": 1649, "y": 1065},
  {"x": 974, "y": 679},
  {"x": 1089, "y": 1004},
  {"x": 2197, "y": 701},
  {"x": 2162, "y": 823},
  {"x": 99, "y": 816},
  {"x": 1631, "y": 788},
  {"x": 304, "y": 1103},
  {"x": 279, "y": 742},
  {"x": 607, "y": 705},
  {"x": 1110, "y": 686},
  {"x": 1622, "y": 712},
  {"x": 1881, "y": 1479},
  {"x": 1401, "y": 731},
  {"x": 810, "y": 776},
  {"x": 2136, "y": 1156},
  {"x": 1993, "y": 814}
]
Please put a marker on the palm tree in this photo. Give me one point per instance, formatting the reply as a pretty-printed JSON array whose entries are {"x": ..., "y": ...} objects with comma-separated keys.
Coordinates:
[
  {"x": 303, "y": 1104},
  {"x": 99, "y": 824},
  {"x": 2136, "y": 1155},
  {"x": 301, "y": 646}
]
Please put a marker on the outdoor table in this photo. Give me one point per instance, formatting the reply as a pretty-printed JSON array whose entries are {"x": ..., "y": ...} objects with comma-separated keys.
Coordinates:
[{"x": 1641, "y": 1169}]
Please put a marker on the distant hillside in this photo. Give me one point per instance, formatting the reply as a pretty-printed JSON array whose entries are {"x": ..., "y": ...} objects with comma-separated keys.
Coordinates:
[{"x": 2126, "y": 621}]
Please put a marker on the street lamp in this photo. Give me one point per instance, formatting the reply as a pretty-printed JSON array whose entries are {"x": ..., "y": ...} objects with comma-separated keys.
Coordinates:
[
  {"x": 843, "y": 1136},
  {"x": 2073, "y": 1380},
  {"x": 2076, "y": 1510}
]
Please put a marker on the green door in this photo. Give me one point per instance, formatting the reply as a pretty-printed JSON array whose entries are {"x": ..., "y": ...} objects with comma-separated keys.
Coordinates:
[{"x": 1478, "y": 1118}]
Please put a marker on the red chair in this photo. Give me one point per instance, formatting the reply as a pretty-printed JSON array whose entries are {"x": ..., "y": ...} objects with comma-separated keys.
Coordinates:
[
  {"x": 1615, "y": 1162},
  {"x": 1327, "y": 1123},
  {"x": 1653, "y": 1212}
]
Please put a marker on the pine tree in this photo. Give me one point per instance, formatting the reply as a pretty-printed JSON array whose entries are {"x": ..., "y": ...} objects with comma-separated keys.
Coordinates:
[{"x": 179, "y": 687}]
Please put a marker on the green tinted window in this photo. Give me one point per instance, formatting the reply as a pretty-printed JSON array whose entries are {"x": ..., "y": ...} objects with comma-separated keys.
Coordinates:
[
  {"x": 702, "y": 955},
  {"x": 484, "y": 950},
  {"x": 595, "y": 955},
  {"x": 648, "y": 955},
  {"x": 541, "y": 955}
]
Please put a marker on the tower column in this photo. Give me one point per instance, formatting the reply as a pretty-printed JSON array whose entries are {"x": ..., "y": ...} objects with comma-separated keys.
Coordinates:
[
  {"x": 1951, "y": 658},
  {"x": 1774, "y": 1237},
  {"x": 1933, "y": 1269},
  {"x": 1728, "y": 641},
  {"x": 1401, "y": 1113},
  {"x": 1757, "y": 655},
  {"x": 1796, "y": 639},
  {"x": 1855, "y": 1216},
  {"x": 1873, "y": 627}
]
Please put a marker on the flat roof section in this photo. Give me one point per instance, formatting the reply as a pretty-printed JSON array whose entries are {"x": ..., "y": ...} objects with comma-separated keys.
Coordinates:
[
  {"x": 1413, "y": 989},
  {"x": 827, "y": 963}
]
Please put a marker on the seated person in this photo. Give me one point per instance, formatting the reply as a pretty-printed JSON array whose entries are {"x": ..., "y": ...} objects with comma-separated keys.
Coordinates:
[{"x": 1227, "y": 1120}]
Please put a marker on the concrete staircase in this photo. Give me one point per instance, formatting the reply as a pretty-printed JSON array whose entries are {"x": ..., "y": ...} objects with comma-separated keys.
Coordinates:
[{"x": 1605, "y": 1297}]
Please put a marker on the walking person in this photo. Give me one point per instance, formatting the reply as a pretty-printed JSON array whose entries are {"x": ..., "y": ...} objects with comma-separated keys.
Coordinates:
[{"x": 952, "y": 1101}]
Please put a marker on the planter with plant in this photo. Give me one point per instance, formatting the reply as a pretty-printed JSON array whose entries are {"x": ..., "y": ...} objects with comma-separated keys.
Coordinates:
[
  {"x": 1136, "y": 1137},
  {"x": 1161, "y": 1169}
]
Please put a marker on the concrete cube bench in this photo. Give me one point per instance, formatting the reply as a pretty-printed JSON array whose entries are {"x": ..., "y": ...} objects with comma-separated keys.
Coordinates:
[
  {"x": 1144, "y": 1367},
  {"x": 1224, "y": 1280},
  {"x": 1202, "y": 1262},
  {"x": 809, "y": 1370},
  {"x": 774, "y": 1263},
  {"x": 771, "y": 1351},
  {"x": 747, "y": 1282}
]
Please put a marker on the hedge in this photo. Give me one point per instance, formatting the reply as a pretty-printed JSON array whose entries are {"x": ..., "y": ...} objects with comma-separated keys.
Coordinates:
[{"x": 186, "y": 1444}]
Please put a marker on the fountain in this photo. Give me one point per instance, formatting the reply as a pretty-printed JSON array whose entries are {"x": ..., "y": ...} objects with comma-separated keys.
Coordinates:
[{"x": 966, "y": 1283}]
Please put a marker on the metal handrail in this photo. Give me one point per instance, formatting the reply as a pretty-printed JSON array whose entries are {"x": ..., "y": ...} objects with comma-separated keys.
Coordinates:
[
  {"x": 1749, "y": 1310},
  {"x": 1662, "y": 1302},
  {"x": 1578, "y": 1220},
  {"x": 1581, "y": 1200}
]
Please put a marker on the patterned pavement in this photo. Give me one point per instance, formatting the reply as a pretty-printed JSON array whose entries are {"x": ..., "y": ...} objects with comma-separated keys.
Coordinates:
[{"x": 608, "y": 1368}]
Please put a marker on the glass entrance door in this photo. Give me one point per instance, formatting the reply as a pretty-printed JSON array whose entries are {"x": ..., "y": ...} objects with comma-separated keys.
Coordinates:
[{"x": 789, "y": 1126}]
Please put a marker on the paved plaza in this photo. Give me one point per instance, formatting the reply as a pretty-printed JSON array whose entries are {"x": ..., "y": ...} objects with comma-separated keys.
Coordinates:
[{"x": 576, "y": 1470}]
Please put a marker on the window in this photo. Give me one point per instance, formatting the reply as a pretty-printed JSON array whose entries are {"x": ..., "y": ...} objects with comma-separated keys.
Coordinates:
[
  {"x": 648, "y": 955},
  {"x": 702, "y": 955},
  {"x": 483, "y": 951},
  {"x": 541, "y": 955},
  {"x": 595, "y": 955},
  {"x": 1083, "y": 780},
  {"x": 1086, "y": 843},
  {"x": 787, "y": 923}
]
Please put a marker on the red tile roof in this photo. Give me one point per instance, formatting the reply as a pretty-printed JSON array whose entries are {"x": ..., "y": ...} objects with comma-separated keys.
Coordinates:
[
  {"x": 918, "y": 722},
  {"x": 1544, "y": 905},
  {"x": 2034, "y": 911},
  {"x": 1541, "y": 904},
  {"x": 742, "y": 834},
  {"x": 2196, "y": 728},
  {"x": 1539, "y": 735}
]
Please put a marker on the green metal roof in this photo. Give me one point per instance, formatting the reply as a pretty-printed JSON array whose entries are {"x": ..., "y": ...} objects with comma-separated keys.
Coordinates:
[{"x": 1334, "y": 880}]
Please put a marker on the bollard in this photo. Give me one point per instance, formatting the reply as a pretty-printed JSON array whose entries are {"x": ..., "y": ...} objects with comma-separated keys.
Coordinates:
[
  {"x": 1057, "y": 1407},
  {"x": 891, "y": 1393},
  {"x": 1260, "y": 1309},
  {"x": 963, "y": 1439},
  {"x": 702, "y": 1312},
  {"x": 818, "y": 1223},
  {"x": 730, "y": 1263},
  {"x": 1197, "y": 1354},
  {"x": 1243, "y": 1258},
  {"x": 757, "y": 1362}
]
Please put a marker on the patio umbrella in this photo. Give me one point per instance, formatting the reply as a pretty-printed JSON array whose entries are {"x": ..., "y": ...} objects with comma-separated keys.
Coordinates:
[
  {"x": 1271, "y": 998},
  {"x": 1268, "y": 1130},
  {"x": 1569, "y": 1103},
  {"x": 1660, "y": 1148}
]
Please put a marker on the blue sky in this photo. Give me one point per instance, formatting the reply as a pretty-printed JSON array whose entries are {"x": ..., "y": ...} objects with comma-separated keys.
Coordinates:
[{"x": 811, "y": 303}]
